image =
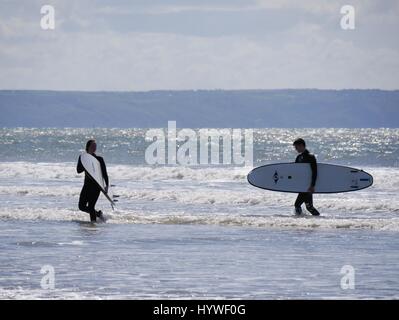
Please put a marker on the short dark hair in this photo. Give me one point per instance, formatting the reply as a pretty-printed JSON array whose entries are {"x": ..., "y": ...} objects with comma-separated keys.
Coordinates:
[
  {"x": 88, "y": 143},
  {"x": 299, "y": 141}
]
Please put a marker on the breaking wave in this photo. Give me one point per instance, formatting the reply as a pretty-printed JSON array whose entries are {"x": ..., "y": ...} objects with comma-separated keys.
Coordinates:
[
  {"x": 182, "y": 195},
  {"x": 221, "y": 219}
]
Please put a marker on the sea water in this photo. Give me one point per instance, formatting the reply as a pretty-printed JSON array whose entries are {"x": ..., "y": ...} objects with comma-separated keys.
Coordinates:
[{"x": 194, "y": 232}]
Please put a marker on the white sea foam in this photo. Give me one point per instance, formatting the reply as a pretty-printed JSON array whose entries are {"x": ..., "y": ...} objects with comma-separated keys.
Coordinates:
[
  {"x": 241, "y": 195},
  {"x": 384, "y": 177},
  {"x": 50, "y": 191},
  {"x": 223, "y": 219},
  {"x": 67, "y": 171}
]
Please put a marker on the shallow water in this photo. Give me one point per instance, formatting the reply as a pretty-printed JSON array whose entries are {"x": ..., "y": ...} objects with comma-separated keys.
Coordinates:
[
  {"x": 191, "y": 261},
  {"x": 203, "y": 232}
]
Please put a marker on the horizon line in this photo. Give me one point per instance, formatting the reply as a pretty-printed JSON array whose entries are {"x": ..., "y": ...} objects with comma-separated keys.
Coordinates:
[{"x": 189, "y": 90}]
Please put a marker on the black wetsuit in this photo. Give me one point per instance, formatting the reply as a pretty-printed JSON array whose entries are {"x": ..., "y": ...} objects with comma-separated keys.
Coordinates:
[
  {"x": 307, "y": 197},
  {"x": 91, "y": 191}
]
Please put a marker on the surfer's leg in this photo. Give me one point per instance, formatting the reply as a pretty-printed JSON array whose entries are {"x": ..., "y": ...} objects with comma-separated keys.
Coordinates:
[
  {"x": 84, "y": 199},
  {"x": 298, "y": 203},
  {"x": 309, "y": 205},
  {"x": 94, "y": 194},
  {"x": 87, "y": 200}
]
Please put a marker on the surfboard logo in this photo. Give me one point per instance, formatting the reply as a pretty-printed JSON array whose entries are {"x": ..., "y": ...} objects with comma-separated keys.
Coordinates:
[{"x": 275, "y": 177}]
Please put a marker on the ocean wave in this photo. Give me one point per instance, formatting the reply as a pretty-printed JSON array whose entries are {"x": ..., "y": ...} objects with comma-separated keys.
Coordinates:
[
  {"x": 363, "y": 201},
  {"x": 306, "y": 222},
  {"x": 67, "y": 171},
  {"x": 235, "y": 220},
  {"x": 384, "y": 177}
]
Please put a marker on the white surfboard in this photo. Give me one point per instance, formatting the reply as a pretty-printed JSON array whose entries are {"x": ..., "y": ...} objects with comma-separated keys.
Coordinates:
[
  {"x": 93, "y": 168},
  {"x": 296, "y": 177}
]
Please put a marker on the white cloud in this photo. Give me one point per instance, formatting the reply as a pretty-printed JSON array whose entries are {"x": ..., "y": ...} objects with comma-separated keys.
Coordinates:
[
  {"x": 308, "y": 53},
  {"x": 314, "y": 6},
  {"x": 173, "y": 8}
]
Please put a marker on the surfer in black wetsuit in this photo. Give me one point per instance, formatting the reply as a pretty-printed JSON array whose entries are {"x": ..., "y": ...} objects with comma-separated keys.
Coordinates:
[
  {"x": 306, "y": 197},
  {"x": 91, "y": 191}
]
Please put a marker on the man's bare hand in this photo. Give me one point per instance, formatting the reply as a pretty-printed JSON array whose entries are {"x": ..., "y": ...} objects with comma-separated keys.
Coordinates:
[{"x": 311, "y": 189}]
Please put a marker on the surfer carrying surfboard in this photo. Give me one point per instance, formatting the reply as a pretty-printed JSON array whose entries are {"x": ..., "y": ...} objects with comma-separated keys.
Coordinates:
[
  {"x": 91, "y": 190},
  {"x": 305, "y": 156}
]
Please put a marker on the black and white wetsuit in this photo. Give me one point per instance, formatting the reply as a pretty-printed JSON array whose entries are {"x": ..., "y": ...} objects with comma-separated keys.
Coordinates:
[{"x": 91, "y": 191}]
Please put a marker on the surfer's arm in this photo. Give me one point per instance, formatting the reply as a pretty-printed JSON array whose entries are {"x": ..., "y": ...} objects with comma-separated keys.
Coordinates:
[
  {"x": 313, "y": 166},
  {"x": 79, "y": 167}
]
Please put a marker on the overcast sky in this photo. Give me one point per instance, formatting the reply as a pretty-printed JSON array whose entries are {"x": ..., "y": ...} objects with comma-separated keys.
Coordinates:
[{"x": 215, "y": 44}]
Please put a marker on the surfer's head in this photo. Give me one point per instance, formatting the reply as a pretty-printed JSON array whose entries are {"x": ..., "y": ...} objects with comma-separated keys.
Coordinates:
[
  {"x": 91, "y": 146},
  {"x": 300, "y": 145}
]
